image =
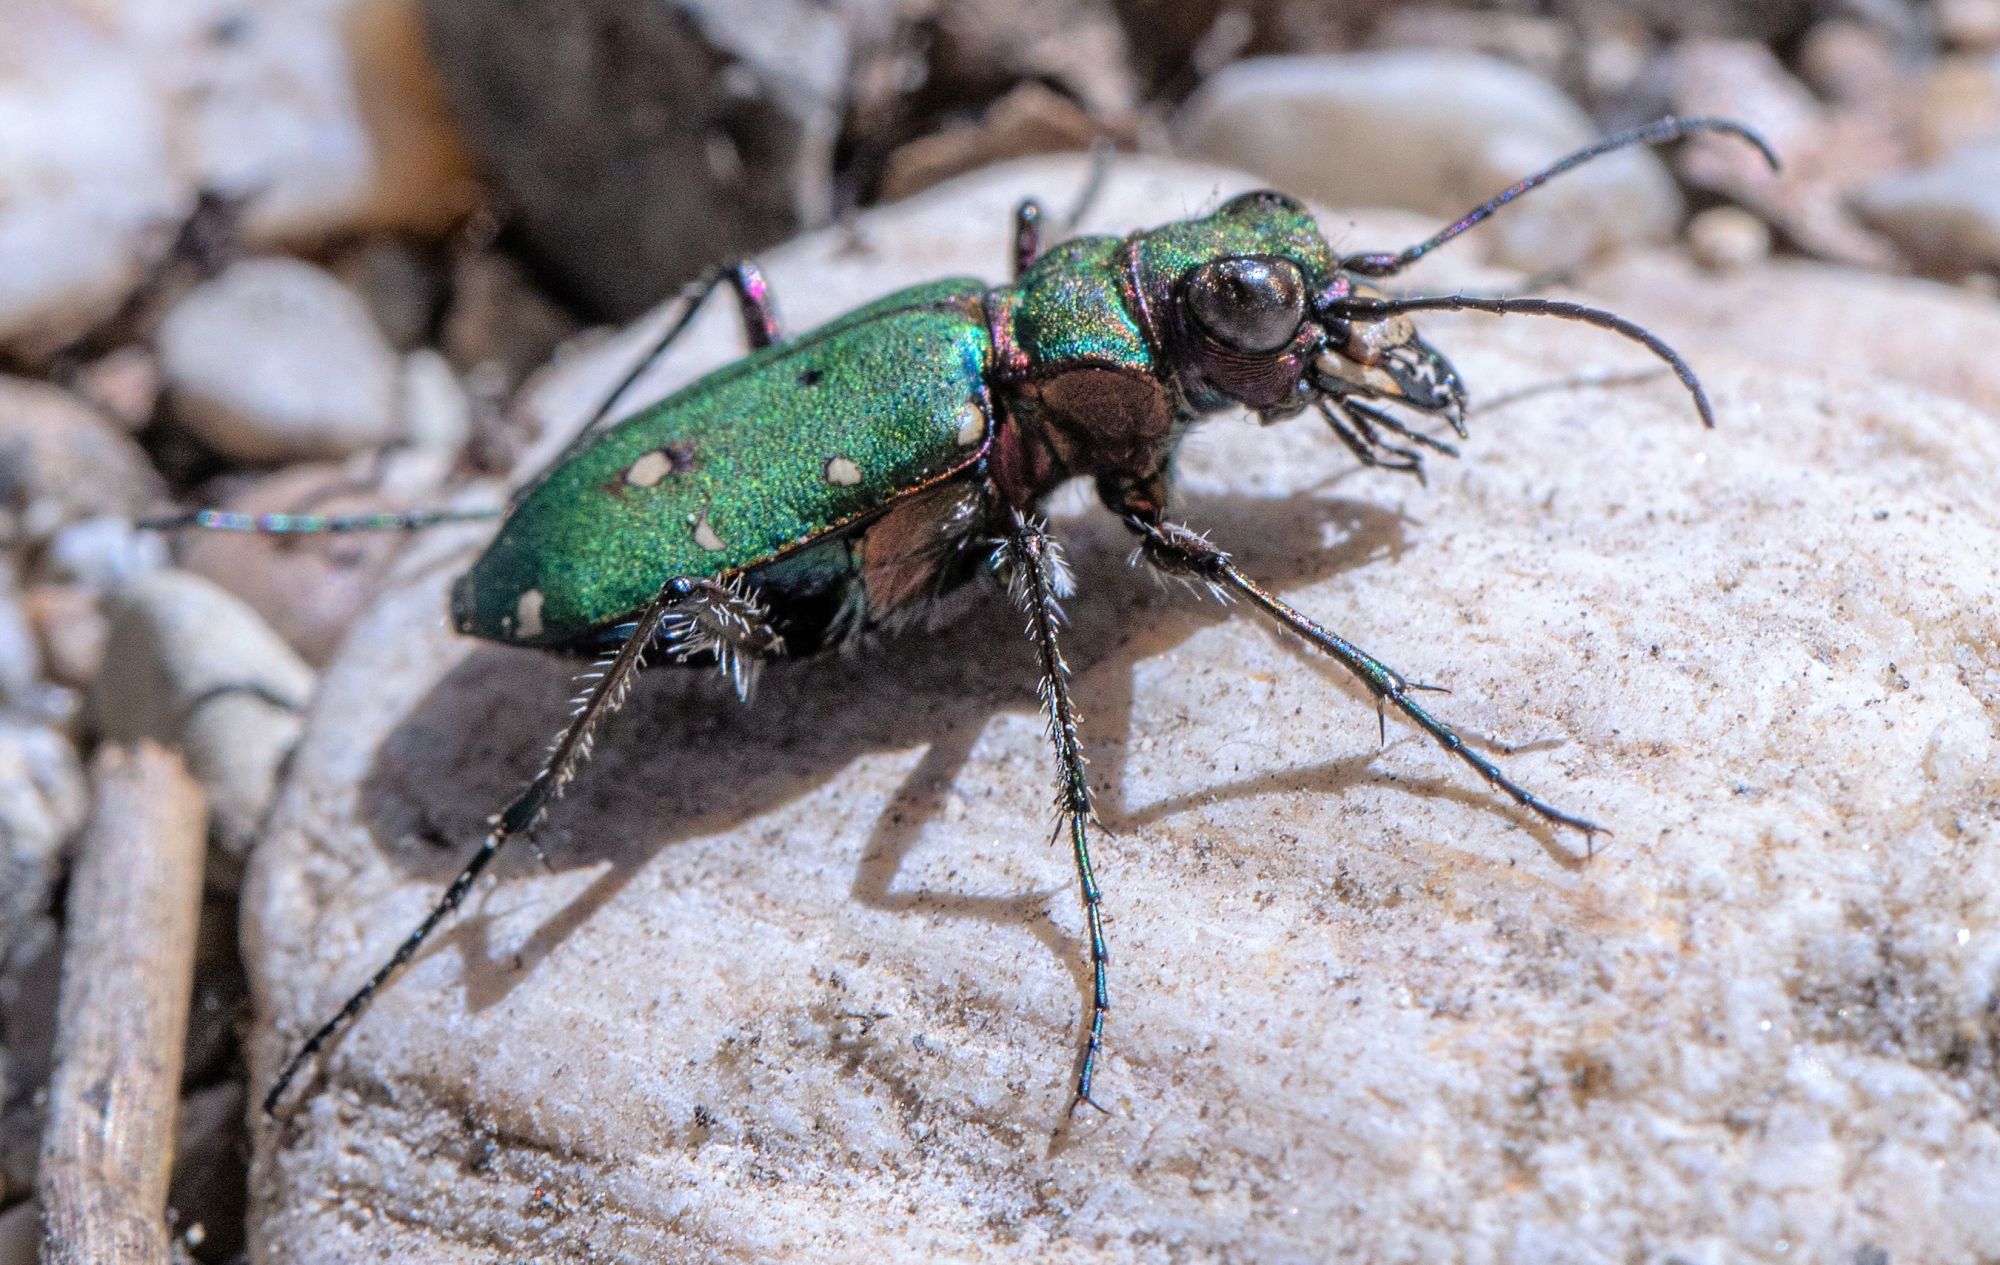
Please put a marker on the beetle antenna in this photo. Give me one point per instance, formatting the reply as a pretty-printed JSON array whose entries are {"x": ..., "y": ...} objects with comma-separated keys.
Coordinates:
[
  {"x": 1367, "y": 307},
  {"x": 1658, "y": 132}
]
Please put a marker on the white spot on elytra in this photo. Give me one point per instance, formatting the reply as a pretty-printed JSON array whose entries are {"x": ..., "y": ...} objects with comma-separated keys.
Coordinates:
[
  {"x": 971, "y": 424},
  {"x": 528, "y": 614},
  {"x": 842, "y": 473},
  {"x": 704, "y": 535},
  {"x": 649, "y": 469}
]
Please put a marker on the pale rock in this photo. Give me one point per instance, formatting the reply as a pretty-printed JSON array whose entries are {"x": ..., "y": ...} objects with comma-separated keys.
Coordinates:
[
  {"x": 190, "y": 665},
  {"x": 102, "y": 554},
  {"x": 1969, "y": 23},
  {"x": 324, "y": 118},
  {"x": 70, "y": 631},
  {"x": 1723, "y": 238},
  {"x": 42, "y": 803},
  {"x": 125, "y": 384},
  {"x": 60, "y": 462},
  {"x": 1945, "y": 216},
  {"x": 776, "y": 1000},
  {"x": 276, "y": 360},
  {"x": 20, "y": 654},
  {"x": 1434, "y": 131},
  {"x": 1856, "y": 64},
  {"x": 1957, "y": 103}
]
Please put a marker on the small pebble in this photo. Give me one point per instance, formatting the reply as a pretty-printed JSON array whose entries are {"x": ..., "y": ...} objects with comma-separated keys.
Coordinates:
[
  {"x": 20, "y": 660},
  {"x": 437, "y": 411},
  {"x": 1969, "y": 24},
  {"x": 1433, "y": 131},
  {"x": 1957, "y": 104},
  {"x": 190, "y": 665},
  {"x": 400, "y": 287},
  {"x": 125, "y": 384},
  {"x": 1725, "y": 238},
  {"x": 1945, "y": 216},
  {"x": 1853, "y": 63},
  {"x": 70, "y": 629},
  {"x": 276, "y": 360},
  {"x": 60, "y": 461},
  {"x": 498, "y": 317},
  {"x": 102, "y": 554},
  {"x": 43, "y": 799}
]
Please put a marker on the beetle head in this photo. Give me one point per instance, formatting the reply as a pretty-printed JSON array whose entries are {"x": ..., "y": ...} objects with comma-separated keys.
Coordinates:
[{"x": 1264, "y": 324}]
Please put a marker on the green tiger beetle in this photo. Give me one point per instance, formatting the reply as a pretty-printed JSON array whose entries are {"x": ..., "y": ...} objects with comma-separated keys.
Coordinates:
[{"x": 833, "y": 484}]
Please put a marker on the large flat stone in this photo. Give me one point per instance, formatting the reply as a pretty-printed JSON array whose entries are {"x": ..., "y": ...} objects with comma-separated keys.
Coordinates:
[{"x": 804, "y": 980}]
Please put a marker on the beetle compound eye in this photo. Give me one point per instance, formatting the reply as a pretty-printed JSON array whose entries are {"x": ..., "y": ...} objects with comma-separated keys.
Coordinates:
[{"x": 1252, "y": 305}]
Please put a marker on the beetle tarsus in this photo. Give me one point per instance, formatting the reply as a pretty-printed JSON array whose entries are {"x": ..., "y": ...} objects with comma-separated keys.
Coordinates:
[{"x": 1038, "y": 579}]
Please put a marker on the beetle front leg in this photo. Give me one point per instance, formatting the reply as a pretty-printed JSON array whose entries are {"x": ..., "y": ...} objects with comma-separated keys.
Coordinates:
[
  {"x": 608, "y": 683},
  {"x": 1038, "y": 581},
  {"x": 1181, "y": 552}
]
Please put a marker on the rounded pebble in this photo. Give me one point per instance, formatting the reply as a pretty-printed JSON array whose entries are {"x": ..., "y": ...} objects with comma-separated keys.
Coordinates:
[
  {"x": 1945, "y": 216},
  {"x": 1724, "y": 238},
  {"x": 63, "y": 462},
  {"x": 189, "y": 664},
  {"x": 43, "y": 799},
  {"x": 276, "y": 360}
]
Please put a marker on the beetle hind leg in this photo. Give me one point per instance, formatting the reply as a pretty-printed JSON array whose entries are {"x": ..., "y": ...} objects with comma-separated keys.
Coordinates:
[
  {"x": 1038, "y": 580},
  {"x": 605, "y": 686},
  {"x": 1181, "y": 552}
]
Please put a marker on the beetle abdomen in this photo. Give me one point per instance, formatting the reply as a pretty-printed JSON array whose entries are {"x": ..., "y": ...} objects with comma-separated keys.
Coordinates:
[{"x": 788, "y": 446}]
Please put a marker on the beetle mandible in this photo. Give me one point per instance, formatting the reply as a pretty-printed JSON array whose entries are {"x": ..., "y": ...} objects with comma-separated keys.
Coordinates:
[{"x": 682, "y": 533}]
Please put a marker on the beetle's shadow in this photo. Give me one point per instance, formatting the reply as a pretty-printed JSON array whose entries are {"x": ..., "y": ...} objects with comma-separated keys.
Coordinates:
[{"x": 684, "y": 760}]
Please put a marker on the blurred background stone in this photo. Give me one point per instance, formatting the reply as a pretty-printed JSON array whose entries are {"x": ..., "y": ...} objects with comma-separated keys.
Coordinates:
[
  {"x": 277, "y": 360},
  {"x": 1432, "y": 131},
  {"x": 117, "y": 113},
  {"x": 190, "y": 665}
]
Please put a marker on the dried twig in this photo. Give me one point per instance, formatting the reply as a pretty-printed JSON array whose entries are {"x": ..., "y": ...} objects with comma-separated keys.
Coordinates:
[{"x": 128, "y": 967}]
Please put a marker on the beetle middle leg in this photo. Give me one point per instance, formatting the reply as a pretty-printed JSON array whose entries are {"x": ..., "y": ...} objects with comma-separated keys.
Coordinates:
[
  {"x": 1181, "y": 552},
  {"x": 1028, "y": 215},
  {"x": 1038, "y": 581}
]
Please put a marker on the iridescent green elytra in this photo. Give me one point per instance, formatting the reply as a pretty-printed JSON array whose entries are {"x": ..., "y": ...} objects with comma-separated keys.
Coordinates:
[{"x": 830, "y": 484}]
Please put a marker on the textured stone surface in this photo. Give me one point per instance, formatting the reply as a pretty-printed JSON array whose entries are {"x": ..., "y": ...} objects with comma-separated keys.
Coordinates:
[
  {"x": 804, "y": 980},
  {"x": 1435, "y": 131}
]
